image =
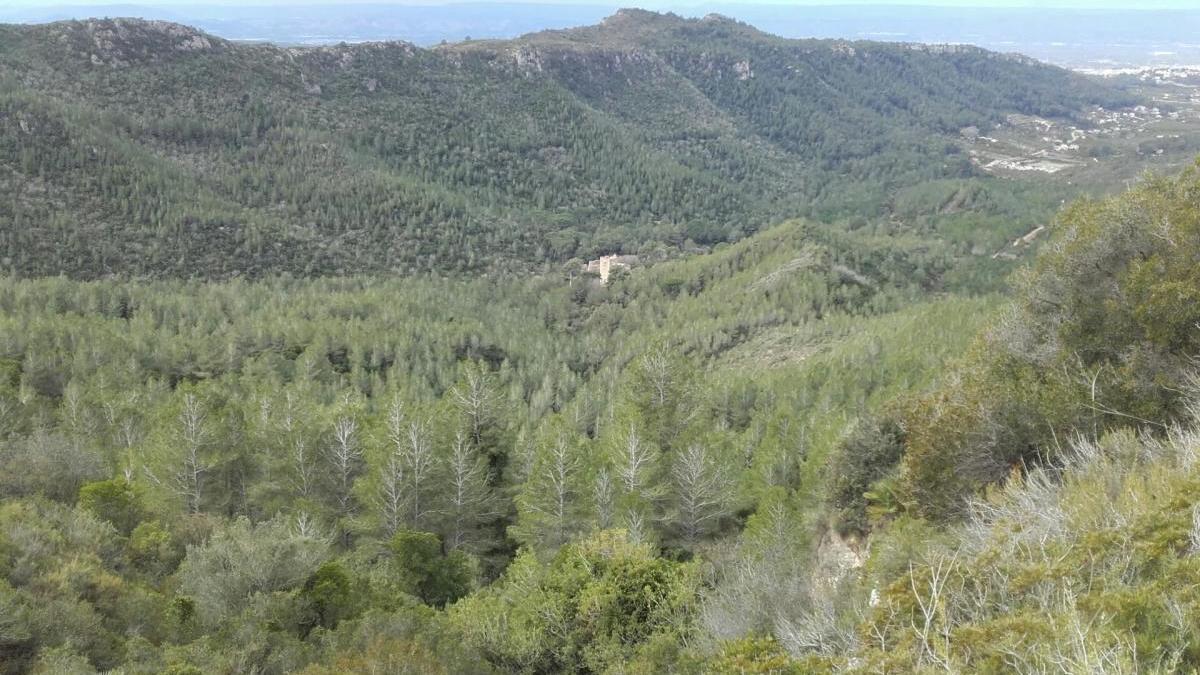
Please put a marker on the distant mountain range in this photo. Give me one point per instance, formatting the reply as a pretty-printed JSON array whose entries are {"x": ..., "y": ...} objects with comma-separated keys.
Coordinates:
[
  {"x": 152, "y": 148},
  {"x": 1071, "y": 37}
]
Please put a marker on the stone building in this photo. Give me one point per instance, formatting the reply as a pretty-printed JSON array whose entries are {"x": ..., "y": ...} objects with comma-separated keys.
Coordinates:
[{"x": 604, "y": 265}]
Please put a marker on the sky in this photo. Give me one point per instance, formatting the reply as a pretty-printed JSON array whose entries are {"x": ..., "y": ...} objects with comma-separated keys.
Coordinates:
[{"x": 1073, "y": 4}]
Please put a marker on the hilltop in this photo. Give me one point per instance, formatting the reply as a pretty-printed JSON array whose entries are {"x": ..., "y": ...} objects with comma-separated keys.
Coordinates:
[{"x": 149, "y": 148}]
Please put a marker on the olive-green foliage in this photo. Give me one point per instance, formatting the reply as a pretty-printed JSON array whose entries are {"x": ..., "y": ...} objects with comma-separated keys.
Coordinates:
[
  {"x": 868, "y": 453},
  {"x": 153, "y": 549},
  {"x": 281, "y": 474},
  {"x": 241, "y": 560},
  {"x": 597, "y": 604},
  {"x": 116, "y": 501},
  {"x": 750, "y": 656},
  {"x": 329, "y": 595},
  {"x": 64, "y": 589},
  {"x": 1102, "y": 334},
  {"x": 47, "y": 463},
  {"x": 1094, "y": 563},
  {"x": 209, "y": 423},
  {"x": 63, "y": 660},
  {"x": 426, "y": 572}
]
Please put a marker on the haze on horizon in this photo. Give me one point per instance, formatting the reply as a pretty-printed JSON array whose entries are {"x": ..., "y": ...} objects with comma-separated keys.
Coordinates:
[
  {"x": 1090, "y": 34},
  {"x": 980, "y": 4}
]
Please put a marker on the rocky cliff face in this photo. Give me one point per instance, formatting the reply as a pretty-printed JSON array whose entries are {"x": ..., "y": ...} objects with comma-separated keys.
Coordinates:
[
  {"x": 836, "y": 558},
  {"x": 123, "y": 42}
]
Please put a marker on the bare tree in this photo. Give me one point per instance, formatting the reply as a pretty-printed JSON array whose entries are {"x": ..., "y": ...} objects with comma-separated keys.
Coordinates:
[
  {"x": 1194, "y": 533},
  {"x": 194, "y": 434},
  {"x": 125, "y": 425},
  {"x": 303, "y": 470},
  {"x": 602, "y": 497},
  {"x": 639, "y": 483},
  {"x": 469, "y": 498},
  {"x": 562, "y": 468},
  {"x": 122, "y": 420},
  {"x": 702, "y": 492},
  {"x": 548, "y": 497},
  {"x": 392, "y": 493},
  {"x": 392, "y": 483},
  {"x": 289, "y": 413},
  {"x": 929, "y": 624},
  {"x": 395, "y": 425},
  {"x": 344, "y": 455},
  {"x": 636, "y": 462},
  {"x": 819, "y": 629},
  {"x": 129, "y": 432},
  {"x": 307, "y": 527},
  {"x": 407, "y": 473},
  {"x": 25, "y": 393},
  {"x": 8, "y": 416},
  {"x": 421, "y": 464},
  {"x": 656, "y": 367},
  {"x": 766, "y": 584},
  {"x": 477, "y": 400},
  {"x": 635, "y": 526},
  {"x": 266, "y": 410},
  {"x": 76, "y": 417}
]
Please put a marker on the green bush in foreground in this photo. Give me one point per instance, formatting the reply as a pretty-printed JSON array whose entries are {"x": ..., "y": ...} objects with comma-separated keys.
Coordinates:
[
  {"x": 599, "y": 603},
  {"x": 1102, "y": 335}
]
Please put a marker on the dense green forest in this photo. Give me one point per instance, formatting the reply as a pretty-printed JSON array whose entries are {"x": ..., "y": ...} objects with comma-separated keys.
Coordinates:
[
  {"x": 145, "y": 148},
  {"x": 301, "y": 371},
  {"x": 754, "y": 460},
  {"x": 348, "y": 425}
]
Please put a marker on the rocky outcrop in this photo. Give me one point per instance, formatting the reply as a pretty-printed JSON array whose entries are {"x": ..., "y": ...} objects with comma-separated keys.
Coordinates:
[
  {"x": 119, "y": 43},
  {"x": 836, "y": 558}
]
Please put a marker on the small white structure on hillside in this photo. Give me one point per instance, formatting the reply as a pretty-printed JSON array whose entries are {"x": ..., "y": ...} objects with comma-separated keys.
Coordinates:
[{"x": 604, "y": 265}]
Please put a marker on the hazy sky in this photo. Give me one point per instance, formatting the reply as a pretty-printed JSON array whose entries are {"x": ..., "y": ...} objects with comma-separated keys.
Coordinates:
[{"x": 1077, "y": 4}]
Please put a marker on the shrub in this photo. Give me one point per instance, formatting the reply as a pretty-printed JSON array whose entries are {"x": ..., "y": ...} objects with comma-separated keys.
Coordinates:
[
  {"x": 242, "y": 559},
  {"x": 116, "y": 501},
  {"x": 427, "y": 573},
  {"x": 867, "y": 453},
  {"x": 328, "y": 597}
]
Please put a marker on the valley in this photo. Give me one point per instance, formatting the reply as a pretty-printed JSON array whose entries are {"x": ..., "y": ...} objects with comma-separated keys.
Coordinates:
[
  {"x": 657, "y": 345},
  {"x": 1104, "y": 147},
  {"x": 632, "y": 136}
]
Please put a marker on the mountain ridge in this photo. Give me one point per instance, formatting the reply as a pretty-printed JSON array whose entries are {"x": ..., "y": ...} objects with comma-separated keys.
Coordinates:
[
  {"x": 647, "y": 131},
  {"x": 646, "y": 24}
]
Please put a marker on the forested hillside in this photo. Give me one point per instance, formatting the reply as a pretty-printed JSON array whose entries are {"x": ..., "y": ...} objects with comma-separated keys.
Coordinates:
[
  {"x": 150, "y": 149},
  {"x": 269, "y": 473},
  {"x": 300, "y": 369},
  {"x": 753, "y": 460}
]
